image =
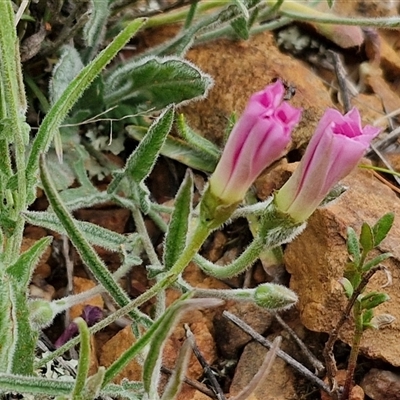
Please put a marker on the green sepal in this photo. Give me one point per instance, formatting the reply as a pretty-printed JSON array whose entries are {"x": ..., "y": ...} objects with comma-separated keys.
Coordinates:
[
  {"x": 347, "y": 286},
  {"x": 23, "y": 268},
  {"x": 382, "y": 228},
  {"x": 142, "y": 160},
  {"x": 213, "y": 211},
  {"x": 366, "y": 238},
  {"x": 176, "y": 235},
  {"x": 353, "y": 247},
  {"x": 372, "y": 300},
  {"x": 375, "y": 261},
  {"x": 156, "y": 82}
]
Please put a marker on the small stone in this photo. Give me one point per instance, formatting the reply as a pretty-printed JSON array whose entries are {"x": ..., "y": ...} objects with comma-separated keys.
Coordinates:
[
  {"x": 111, "y": 351},
  {"x": 279, "y": 384},
  {"x": 230, "y": 339},
  {"x": 379, "y": 384}
]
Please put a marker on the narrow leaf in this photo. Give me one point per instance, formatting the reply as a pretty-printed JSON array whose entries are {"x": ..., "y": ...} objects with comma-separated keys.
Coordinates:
[
  {"x": 94, "y": 29},
  {"x": 84, "y": 358},
  {"x": 95, "y": 234},
  {"x": 372, "y": 300},
  {"x": 143, "y": 159},
  {"x": 179, "y": 374},
  {"x": 175, "y": 239},
  {"x": 195, "y": 139},
  {"x": 366, "y": 238},
  {"x": 180, "y": 150},
  {"x": 382, "y": 228},
  {"x": 347, "y": 286},
  {"x": 23, "y": 268},
  {"x": 375, "y": 261},
  {"x": 241, "y": 28}
]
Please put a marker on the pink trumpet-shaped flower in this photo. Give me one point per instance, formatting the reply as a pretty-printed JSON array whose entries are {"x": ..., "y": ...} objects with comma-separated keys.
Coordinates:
[
  {"x": 256, "y": 141},
  {"x": 336, "y": 147}
]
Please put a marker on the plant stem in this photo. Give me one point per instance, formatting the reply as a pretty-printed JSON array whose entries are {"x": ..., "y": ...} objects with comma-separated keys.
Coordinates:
[{"x": 355, "y": 348}]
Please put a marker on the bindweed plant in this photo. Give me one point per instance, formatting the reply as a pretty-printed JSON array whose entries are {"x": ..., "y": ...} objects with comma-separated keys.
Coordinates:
[{"x": 158, "y": 80}]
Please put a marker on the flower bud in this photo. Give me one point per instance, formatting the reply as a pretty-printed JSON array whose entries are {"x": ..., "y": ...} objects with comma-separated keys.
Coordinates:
[{"x": 336, "y": 147}]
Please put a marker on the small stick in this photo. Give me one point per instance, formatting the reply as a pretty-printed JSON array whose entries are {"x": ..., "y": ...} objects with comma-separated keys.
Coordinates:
[
  {"x": 341, "y": 78},
  {"x": 197, "y": 385},
  {"x": 207, "y": 370},
  {"x": 319, "y": 367}
]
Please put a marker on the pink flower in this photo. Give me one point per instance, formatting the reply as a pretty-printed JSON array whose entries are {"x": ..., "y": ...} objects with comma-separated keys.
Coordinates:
[
  {"x": 256, "y": 141},
  {"x": 336, "y": 147}
]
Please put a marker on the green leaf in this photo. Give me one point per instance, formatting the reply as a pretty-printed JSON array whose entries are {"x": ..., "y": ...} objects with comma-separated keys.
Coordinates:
[
  {"x": 352, "y": 274},
  {"x": 142, "y": 160},
  {"x": 84, "y": 358},
  {"x": 7, "y": 224},
  {"x": 195, "y": 139},
  {"x": 175, "y": 238},
  {"x": 179, "y": 150},
  {"x": 95, "y": 28},
  {"x": 75, "y": 89},
  {"x": 67, "y": 68},
  {"x": 330, "y": 3},
  {"x": 179, "y": 374},
  {"x": 372, "y": 300},
  {"x": 382, "y": 228},
  {"x": 375, "y": 261},
  {"x": 347, "y": 286},
  {"x": 335, "y": 193},
  {"x": 241, "y": 28},
  {"x": 367, "y": 317},
  {"x": 23, "y": 268},
  {"x": 156, "y": 82},
  {"x": 95, "y": 234},
  {"x": 353, "y": 247},
  {"x": 366, "y": 238}
]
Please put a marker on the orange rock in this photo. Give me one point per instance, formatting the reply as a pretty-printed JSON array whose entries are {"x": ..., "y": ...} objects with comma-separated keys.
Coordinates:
[{"x": 122, "y": 341}]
